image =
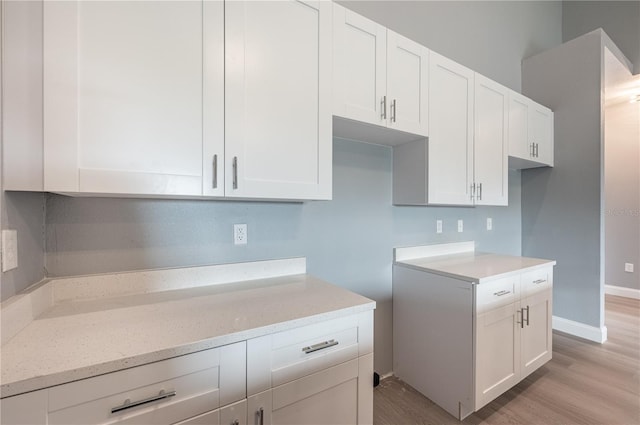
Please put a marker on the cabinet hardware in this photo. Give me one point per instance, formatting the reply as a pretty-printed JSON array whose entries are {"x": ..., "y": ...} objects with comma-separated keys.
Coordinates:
[
  {"x": 320, "y": 346},
  {"x": 128, "y": 404},
  {"x": 532, "y": 150},
  {"x": 383, "y": 107},
  {"x": 526, "y": 308},
  {"x": 235, "y": 422},
  {"x": 539, "y": 281},
  {"x": 235, "y": 172},
  {"x": 393, "y": 111},
  {"x": 521, "y": 321},
  {"x": 260, "y": 415},
  {"x": 501, "y": 293},
  {"x": 480, "y": 192},
  {"x": 537, "y": 150},
  {"x": 472, "y": 191},
  {"x": 215, "y": 171}
]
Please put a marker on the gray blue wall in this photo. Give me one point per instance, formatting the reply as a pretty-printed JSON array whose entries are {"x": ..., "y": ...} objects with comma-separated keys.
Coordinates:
[
  {"x": 562, "y": 206},
  {"x": 619, "y": 19},
  {"x": 347, "y": 241}
]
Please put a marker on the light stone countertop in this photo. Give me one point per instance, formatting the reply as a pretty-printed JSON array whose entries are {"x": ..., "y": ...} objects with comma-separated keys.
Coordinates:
[
  {"x": 461, "y": 261},
  {"x": 77, "y": 339}
]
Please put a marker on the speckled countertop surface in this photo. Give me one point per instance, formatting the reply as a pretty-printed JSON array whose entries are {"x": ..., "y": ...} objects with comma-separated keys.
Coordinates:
[
  {"x": 79, "y": 339},
  {"x": 475, "y": 266}
]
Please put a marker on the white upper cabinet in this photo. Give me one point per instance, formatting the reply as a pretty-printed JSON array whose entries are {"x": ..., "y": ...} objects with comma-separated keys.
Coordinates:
[
  {"x": 188, "y": 98},
  {"x": 124, "y": 86},
  {"x": 379, "y": 77},
  {"x": 491, "y": 142},
  {"x": 450, "y": 157},
  {"x": 530, "y": 133},
  {"x": 278, "y": 99}
]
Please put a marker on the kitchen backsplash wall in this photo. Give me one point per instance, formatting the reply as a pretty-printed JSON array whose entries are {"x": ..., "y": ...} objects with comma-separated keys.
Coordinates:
[{"x": 347, "y": 241}]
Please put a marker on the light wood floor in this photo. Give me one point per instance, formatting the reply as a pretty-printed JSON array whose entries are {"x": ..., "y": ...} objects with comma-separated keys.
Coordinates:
[{"x": 584, "y": 383}]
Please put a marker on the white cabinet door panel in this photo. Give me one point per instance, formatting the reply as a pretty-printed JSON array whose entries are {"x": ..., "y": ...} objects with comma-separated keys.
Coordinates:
[
  {"x": 278, "y": 98},
  {"x": 542, "y": 133},
  {"x": 450, "y": 166},
  {"x": 490, "y": 142},
  {"x": 519, "y": 144},
  {"x": 407, "y": 88},
  {"x": 360, "y": 67},
  {"x": 536, "y": 334}
]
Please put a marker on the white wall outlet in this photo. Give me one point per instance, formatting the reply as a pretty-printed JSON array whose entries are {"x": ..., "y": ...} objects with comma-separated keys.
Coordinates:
[
  {"x": 628, "y": 267},
  {"x": 489, "y": 223},
  {"x": 460, "y": 226},
  {"x": 438, "y": 226},
  {"x": 9, "y": 250},
  {"x": 240, "y": 235}
]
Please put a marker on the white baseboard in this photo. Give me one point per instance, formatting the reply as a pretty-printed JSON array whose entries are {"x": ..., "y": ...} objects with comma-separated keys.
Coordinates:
[
  {"x": 621, "y": 291},
  {"x": 592, "y": 333}
]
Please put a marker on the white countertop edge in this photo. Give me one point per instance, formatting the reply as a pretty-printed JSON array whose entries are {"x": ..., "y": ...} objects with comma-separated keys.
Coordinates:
[
  {"x": 476, "y": 280},
  {"x": 42, "y": 382},
  {"x": 426, "y": 251},
  {"x": 20, "y": 310}
]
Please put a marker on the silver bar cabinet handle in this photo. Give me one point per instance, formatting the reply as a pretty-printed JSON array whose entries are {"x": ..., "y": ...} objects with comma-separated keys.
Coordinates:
[
  {"x": 260, "y": 414},
  {"x": 128, "y": 404},
  {"x": 501, "y": 293},
  {"x": 472, "y": 190},
  {"x": 320, "y": 346},
  {"x": 527, "y": 308},
  {"x": 539, "y": 281},
  {"x": 393, "y": 111},
  {"x": 480, "y": 192},
  {"x": 537, "y": 150},
  {"x": 532, "y": 150},
  {"x": 215, "y": 171},
  {"x": 383, "y": 107},
  {"x": 521, "y": 311},
  {"x": 235, "y": 172}
]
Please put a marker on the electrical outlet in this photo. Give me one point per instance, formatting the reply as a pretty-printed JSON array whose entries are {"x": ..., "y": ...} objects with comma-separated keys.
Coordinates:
[
  {"x": 9, "y": 250},
  {"x": 240, "y": 235},
  {"x": 628, "y": 267},
  {"x": 460, "y": 226},
  {"x": 489, "y": 223},
  {"x": 438, "y": 226}
]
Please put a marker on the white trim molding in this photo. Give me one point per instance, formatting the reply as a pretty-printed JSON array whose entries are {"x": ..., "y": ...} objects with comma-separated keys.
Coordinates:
[
  {"x": 621, "y": 291},
  {"x": 592, "y": 333}
]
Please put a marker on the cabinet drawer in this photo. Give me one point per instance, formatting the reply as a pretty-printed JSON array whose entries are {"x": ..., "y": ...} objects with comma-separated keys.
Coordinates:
[
  {"x": 283, "y": 357},
  {"x": 164, "y": 392},
  {"x": 537, "y": 280},
  {"x": 496, "y": 293}
]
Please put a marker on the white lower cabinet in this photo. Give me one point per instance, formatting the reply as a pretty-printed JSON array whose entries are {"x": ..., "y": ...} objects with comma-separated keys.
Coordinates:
[
  {"x": 481, "y": 339},
  {"x": 318, "y": 374},
  {"x": 315, "y": 374}
]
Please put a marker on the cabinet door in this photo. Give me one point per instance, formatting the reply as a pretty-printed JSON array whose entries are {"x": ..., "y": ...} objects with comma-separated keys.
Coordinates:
[
  {"x": 24, "y": 409},
  {"x": 490, "y": 142},
  {"x": 124, "y": 81},
  {"x": 497, "y": 357},
  {"x": 536, "y": 334},
  {"x": 519, "y": 145},
  {"x": 450, "y": 154},
  {"x": 359, "y": 67},
  {"x": 407, "y": 84},
  {"x": 541, "y": 130},
  {"x": 278, "y": 99}
]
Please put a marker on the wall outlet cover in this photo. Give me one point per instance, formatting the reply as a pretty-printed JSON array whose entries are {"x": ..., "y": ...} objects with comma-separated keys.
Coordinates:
[
  {"x": 9, "y": 250},
  {"x": 628, "y": 267},
  {"x": 460, "y": 226},
  {"x": 240, "y": 235},
  {"x": 438, "y": 226},
  {"x": 489, "y": 223}
]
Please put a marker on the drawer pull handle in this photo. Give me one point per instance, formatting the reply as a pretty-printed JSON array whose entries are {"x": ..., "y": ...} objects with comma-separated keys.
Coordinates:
[
  {"x": 128, "y": 404},
  {"x": 539, "y": 281},
  {"x": 527, "y": 319},
  {"x": 320, "y": 346},
  {"x": 501, "y": 293}
]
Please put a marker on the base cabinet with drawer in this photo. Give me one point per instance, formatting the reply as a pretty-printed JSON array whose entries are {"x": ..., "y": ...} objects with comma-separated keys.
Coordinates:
[
  {"x": 317, "y": 374},
  {"x": 481, "y": 338}
]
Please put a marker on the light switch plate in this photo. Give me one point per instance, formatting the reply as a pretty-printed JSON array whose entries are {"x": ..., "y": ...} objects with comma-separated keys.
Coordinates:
[
  {"x": 628, "y": 267},
  {"x": 460, "y": 226},
  {"x": 9, "y": 250},
  {"x": 438, "y": 226},
  {"x": 489, "y": 223}
]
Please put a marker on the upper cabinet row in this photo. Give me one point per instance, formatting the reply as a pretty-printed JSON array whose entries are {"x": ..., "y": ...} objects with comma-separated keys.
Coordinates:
[
  {"x": 235, "y": 99},
  {"x": 456, "y": 132},
  {"x": 171, "y": 99}
]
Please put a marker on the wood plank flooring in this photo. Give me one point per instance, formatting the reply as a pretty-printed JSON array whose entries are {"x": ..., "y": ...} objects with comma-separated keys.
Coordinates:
[{"x": 584, "y": 383}]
